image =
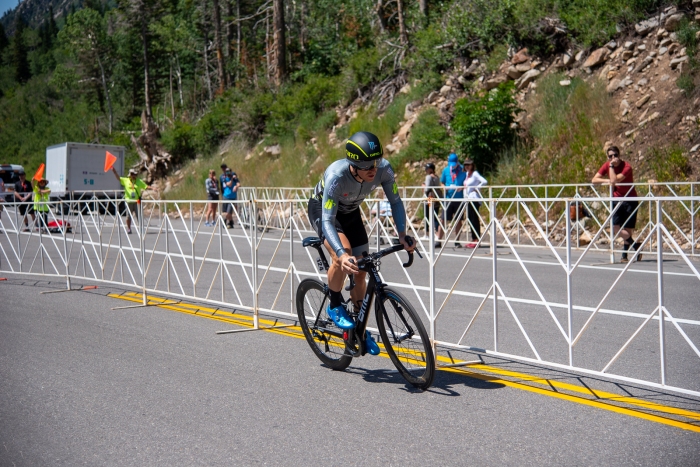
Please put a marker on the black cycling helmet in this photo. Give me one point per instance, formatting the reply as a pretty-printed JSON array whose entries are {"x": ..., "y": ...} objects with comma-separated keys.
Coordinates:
[{"x": 363, "y": 150}]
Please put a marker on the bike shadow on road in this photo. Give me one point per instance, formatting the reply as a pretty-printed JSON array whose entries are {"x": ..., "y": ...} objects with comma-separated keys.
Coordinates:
[{"x": 446, "y": 383}]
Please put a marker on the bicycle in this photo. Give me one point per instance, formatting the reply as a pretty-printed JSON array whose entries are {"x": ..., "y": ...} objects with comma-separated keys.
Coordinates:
[{"x": 402, "y": 333}]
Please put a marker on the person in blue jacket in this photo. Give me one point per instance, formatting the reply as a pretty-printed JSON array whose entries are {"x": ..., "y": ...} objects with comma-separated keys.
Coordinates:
[{"x": 452, "y": 178}]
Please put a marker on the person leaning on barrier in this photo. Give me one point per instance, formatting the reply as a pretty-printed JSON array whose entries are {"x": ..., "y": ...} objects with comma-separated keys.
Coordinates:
[
  {"x": 23, "y": 193},
  {"x": 42, "y": 193},
  {"x": 212, "y": 187},
  {"x": 472, "y": 183},
  {"x": 133, "y": 188},
  {"x": 230, "y": 189},
  {"x": 615, "y": 172},
  {"x": 431, "y": 189},
  {"x": 452, "y": 177}
]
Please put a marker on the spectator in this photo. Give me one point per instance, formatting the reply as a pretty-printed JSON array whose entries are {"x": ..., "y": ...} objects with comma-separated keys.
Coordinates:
[
  {"x": 471, "y": 184},
  {"x": 382, "y": 210},
  {"x": 230, "y": 189},
  {"x": 222, "y": 177},
  {"x": 453, "y": 177},
  {"x": 41, "y": 203},
  {"x": 23, "y": 193},
  {"x": 212, "y": 186},
  {"x": 616, "y": 172},
  {"x": 431, "y": 190},
  {"x": 133, "y": 188}
]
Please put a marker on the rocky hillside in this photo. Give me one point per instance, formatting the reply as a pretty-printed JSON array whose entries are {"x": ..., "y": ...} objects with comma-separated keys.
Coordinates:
[{"x": 642, "y": 69}]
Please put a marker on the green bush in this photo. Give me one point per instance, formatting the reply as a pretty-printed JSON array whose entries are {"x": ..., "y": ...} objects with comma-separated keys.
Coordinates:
[
  {"x": 669, "y": 164},
  {"x": 482, "y": 125},
  {"x": 179, "y": 141},
  {"x": 213, "y": 127}
]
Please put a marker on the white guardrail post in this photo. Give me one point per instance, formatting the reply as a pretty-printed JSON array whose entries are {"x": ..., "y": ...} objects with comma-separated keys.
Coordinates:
[
  {"x": 494, "y": 252},
  {"x": 142, "y": 248},
  {"x": 291, "y": 257},
  {"x": 254, "y": 261},
  {"x": 431, "y": 228},
  {"x": 660, "y": 285},
  {"x": 569, "y": 293}
]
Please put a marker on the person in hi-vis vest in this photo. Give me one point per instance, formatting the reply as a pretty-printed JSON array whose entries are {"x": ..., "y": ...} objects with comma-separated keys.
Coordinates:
[{"x": 133, "y": 188}]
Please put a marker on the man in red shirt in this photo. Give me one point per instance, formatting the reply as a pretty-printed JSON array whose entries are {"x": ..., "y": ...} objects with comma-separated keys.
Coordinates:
[{"x": 618, "y": 174}]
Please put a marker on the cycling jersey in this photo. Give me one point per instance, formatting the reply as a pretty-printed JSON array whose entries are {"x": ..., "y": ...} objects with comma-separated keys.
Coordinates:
[{"x": 339, "y": 191}]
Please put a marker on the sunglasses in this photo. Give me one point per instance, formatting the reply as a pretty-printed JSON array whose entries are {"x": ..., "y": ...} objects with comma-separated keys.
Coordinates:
[
  {"x": 374, "y": 165},
  {"x": 610, "y": 156}
]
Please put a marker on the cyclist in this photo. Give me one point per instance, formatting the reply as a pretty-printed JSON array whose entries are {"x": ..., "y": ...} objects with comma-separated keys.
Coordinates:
[{"x": 334, "y": 210}]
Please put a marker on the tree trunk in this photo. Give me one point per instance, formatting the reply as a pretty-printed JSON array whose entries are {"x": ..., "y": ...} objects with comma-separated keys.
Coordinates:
[
  {"x": 146, "y": 74},
  {"x": 207, "y": 79},
  {"x": 229, "y": 38},
  {"x": 106, "y": 91},
  {"x": 402, "y": 22},
  {"x": 380, "y": 14},
  {"x": 220, "y": 63},
  {"x": 238, "y": 39},
  {"x": 280, "y": 42},
  {"x": 423, "y": 5},
  {"x": 302, "y": 27},
  {"x": 179, "y": 80},
  {"x": 172, "y": 98}
]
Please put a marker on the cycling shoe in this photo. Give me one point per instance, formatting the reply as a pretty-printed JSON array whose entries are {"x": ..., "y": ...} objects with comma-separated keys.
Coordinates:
[
  {"x": 370, "y": 345},
  {"x": 340, "y": 317}
]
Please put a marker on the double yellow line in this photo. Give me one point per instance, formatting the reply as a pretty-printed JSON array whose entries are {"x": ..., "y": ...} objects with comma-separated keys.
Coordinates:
[{"x": 634, "y": 407}]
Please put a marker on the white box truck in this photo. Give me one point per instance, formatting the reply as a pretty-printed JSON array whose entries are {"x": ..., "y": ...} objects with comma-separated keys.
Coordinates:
[{"x": 75, "y": 171}]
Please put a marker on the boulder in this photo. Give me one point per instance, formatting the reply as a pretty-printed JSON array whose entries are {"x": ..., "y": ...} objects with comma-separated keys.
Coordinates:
[
  {"x": 520, "y": 57},
  {"x": 445, "y": 89},
  {"x": 527, "y": 78},
  {"x": 513, "y": 72},
  {"x": 642, "y": 101},
  {"x": 567, "y": 60},
  {"x": 597, "y": 57},
  {"x": 629, "y": 45},
  {"x": 644, "y": 27},
  {"x": 627, "y": 54},
  {"x": 495, "y": 82},
  {"x": 677, "y": 61},
  {"x": 524, "y": 67},
  {"x": 579, "y": 56},
  {"x": 274, "y": 150},
  {"x": 673, "y": 22},
  {"x": 613, "y": 86}
]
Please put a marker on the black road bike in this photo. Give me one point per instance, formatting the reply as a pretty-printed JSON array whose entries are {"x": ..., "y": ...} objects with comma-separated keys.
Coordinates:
[{"x": 403, "y": 335}]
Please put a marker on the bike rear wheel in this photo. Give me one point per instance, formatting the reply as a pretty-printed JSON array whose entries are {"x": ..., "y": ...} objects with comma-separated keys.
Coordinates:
[
  {"x": 324, "y": 337},
  {"x": 405, "y": 339}
]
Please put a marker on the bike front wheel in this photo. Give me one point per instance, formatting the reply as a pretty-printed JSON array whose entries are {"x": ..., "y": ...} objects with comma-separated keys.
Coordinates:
[
  {"x": 405, "y": 339},
  {"x": 324, "y": 337}
]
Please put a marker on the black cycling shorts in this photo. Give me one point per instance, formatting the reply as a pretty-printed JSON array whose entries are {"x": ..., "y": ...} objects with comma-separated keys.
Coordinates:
[
  {"x": 349, "y": 224},
  {"x": 626, "y": 214}
]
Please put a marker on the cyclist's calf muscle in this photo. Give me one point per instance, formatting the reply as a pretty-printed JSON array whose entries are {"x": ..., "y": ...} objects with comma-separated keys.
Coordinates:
[{"x": 336, "y": 275}]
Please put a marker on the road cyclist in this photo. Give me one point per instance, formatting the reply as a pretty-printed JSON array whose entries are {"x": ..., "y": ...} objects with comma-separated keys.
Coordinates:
[{"x": 337, "y": 331}]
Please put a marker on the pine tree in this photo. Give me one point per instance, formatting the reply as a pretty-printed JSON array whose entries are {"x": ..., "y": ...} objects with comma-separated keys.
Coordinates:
[
  {"x": 4, "y": 41},
  {"x": 20, "y": 62}
]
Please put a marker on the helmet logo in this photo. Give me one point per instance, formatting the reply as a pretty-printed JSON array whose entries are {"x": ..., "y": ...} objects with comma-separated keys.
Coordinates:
[
  {"x": 351, "y": 155},
  {"x": 372, "y": 145}
]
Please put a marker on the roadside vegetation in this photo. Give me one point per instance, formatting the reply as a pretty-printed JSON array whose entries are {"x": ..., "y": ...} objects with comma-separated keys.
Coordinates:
[{"x": 216, "y": 98}]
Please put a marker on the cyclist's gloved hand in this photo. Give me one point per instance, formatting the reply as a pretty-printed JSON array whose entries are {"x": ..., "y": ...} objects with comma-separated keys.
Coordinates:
[
  {"x": 402, "y": 239},
  {"x": 347, "y": 264}
]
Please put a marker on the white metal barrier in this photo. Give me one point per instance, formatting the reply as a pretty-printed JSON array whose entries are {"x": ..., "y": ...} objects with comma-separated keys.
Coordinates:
[{"x": 561, "y": 304}]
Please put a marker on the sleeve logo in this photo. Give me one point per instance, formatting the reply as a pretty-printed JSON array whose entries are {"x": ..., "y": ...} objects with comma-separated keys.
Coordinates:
[{"x": 329, "y": 204}]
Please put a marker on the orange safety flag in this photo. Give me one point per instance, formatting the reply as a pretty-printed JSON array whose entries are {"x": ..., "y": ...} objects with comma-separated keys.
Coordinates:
[
  {"x": 110, "y": 159},
  {"x": 39, "y": 173}
]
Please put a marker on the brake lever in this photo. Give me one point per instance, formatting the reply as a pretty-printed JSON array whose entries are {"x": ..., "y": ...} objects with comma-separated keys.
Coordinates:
[
  {"x": 351, "y": 285},
  {"x": 409, "y": 242}
]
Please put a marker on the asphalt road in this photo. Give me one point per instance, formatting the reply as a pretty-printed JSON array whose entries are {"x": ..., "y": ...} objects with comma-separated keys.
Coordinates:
[{"x": 82, "y": 384}]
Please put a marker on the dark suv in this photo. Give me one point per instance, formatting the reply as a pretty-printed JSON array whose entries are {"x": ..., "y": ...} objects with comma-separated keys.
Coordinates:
[{"x": 8, "y": 174}]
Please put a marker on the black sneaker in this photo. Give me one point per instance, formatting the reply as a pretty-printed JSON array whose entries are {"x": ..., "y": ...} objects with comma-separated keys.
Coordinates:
[
  {"x": 438, "y": 245},
  {"x": 458, "y": 245},
  {"x": 636, "y": 247},
  {"x": 624, "y": 259}
]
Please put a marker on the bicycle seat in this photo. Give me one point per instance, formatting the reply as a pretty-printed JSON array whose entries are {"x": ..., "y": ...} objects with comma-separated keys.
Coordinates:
[{"x": 312, "y": 241}]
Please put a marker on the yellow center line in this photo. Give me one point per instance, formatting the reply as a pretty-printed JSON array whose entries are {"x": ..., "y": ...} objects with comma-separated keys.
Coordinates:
[{"x": 602, "y": 400}]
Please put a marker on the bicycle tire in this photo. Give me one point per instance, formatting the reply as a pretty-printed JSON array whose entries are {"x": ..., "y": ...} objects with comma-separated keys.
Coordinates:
[
  {"x": 324, "y": 338},
  {"x": 398, "y": 324}
]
